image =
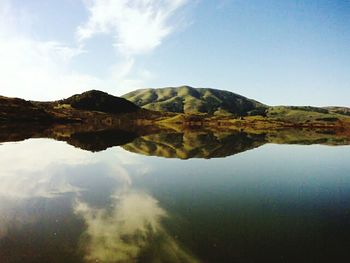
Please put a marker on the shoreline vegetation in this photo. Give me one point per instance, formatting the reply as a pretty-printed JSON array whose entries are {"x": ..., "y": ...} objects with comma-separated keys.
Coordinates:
[{"x": 144, "y": 120}]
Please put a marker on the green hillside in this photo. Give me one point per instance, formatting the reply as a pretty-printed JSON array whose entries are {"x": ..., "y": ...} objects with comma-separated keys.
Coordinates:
[
  {"x": 339, "y": 110},
  {"x": 190, "y": 100}
]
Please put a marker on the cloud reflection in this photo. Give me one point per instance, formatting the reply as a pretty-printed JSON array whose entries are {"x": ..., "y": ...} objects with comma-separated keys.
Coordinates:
[
  {"x": 130, "y": 229},
  {"x": 123, "y": 226},
  {"x": 35, "y": 168}
]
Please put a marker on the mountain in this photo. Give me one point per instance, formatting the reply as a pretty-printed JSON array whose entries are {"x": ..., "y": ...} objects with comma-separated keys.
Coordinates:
[
  {"x": 14, "y": 109},
  {"x": 95, "y": 100},
  {"x": 90, "y": 106},
  {"x": 190, "y": 100},
  {"x": 339, "y": 110},
  {"x": 182, "y": 106}
]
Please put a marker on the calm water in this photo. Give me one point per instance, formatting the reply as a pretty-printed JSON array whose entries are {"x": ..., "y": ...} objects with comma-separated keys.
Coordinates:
[{"x": 274, "y": 203}]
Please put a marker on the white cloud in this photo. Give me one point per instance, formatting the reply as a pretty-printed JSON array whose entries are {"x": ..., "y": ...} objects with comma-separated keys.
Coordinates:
[
  {"x": 37, "y": 69},
  {"x": 138, "y": 26},
  {"x": 223, "y": 3}
]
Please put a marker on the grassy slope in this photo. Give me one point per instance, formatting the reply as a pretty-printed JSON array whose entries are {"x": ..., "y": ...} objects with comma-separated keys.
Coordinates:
[
  {"x": 190, "y": 100},
  {"x": 211, "y": 105},
  {"x": 306, "y": 115},
  {"x": 339, "y": 110}
]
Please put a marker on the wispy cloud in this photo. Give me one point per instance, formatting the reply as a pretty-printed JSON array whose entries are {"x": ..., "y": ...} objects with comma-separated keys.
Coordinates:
[
  {"x": 40, "y": 70},
  {"x": 223, "y": 3},
  {"x": 36, "y": 69},
  {"x": 138, "y": 26}
]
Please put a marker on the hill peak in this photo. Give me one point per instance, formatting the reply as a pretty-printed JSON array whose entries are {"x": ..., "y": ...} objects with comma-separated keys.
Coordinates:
[
  {"x": 97, "y": 100},
  {"x": 186, "y": 99}
]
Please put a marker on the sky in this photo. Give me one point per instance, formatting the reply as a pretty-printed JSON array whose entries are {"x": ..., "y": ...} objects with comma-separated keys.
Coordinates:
[{"x": 277, "y": 52}]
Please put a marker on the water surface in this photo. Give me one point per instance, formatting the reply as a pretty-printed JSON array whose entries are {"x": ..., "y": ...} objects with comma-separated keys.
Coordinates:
[{"x": 257, "y": 203}]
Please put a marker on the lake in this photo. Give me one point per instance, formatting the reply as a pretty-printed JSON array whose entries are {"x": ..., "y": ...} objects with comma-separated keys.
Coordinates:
[{"x": 234, "y": 198}]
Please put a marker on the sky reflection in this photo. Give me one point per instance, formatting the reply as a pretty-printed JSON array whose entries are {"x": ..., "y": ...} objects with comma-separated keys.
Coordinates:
[{"x": 124, "y": 225}]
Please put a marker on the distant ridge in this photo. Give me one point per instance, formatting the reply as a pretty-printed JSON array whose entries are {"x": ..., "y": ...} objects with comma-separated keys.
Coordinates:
[{"x": 186, "y": 99}]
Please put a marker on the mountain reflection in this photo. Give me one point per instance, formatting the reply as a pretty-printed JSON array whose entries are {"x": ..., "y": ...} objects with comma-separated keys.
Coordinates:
[
  {"x": 194, "y": 144},
  {"x": 172, "y": 142},
  {"x": 101, "y": 140}
]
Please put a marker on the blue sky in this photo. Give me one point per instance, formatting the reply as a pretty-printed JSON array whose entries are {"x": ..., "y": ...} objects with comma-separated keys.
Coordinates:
[{"x": 278, "y": 52}]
